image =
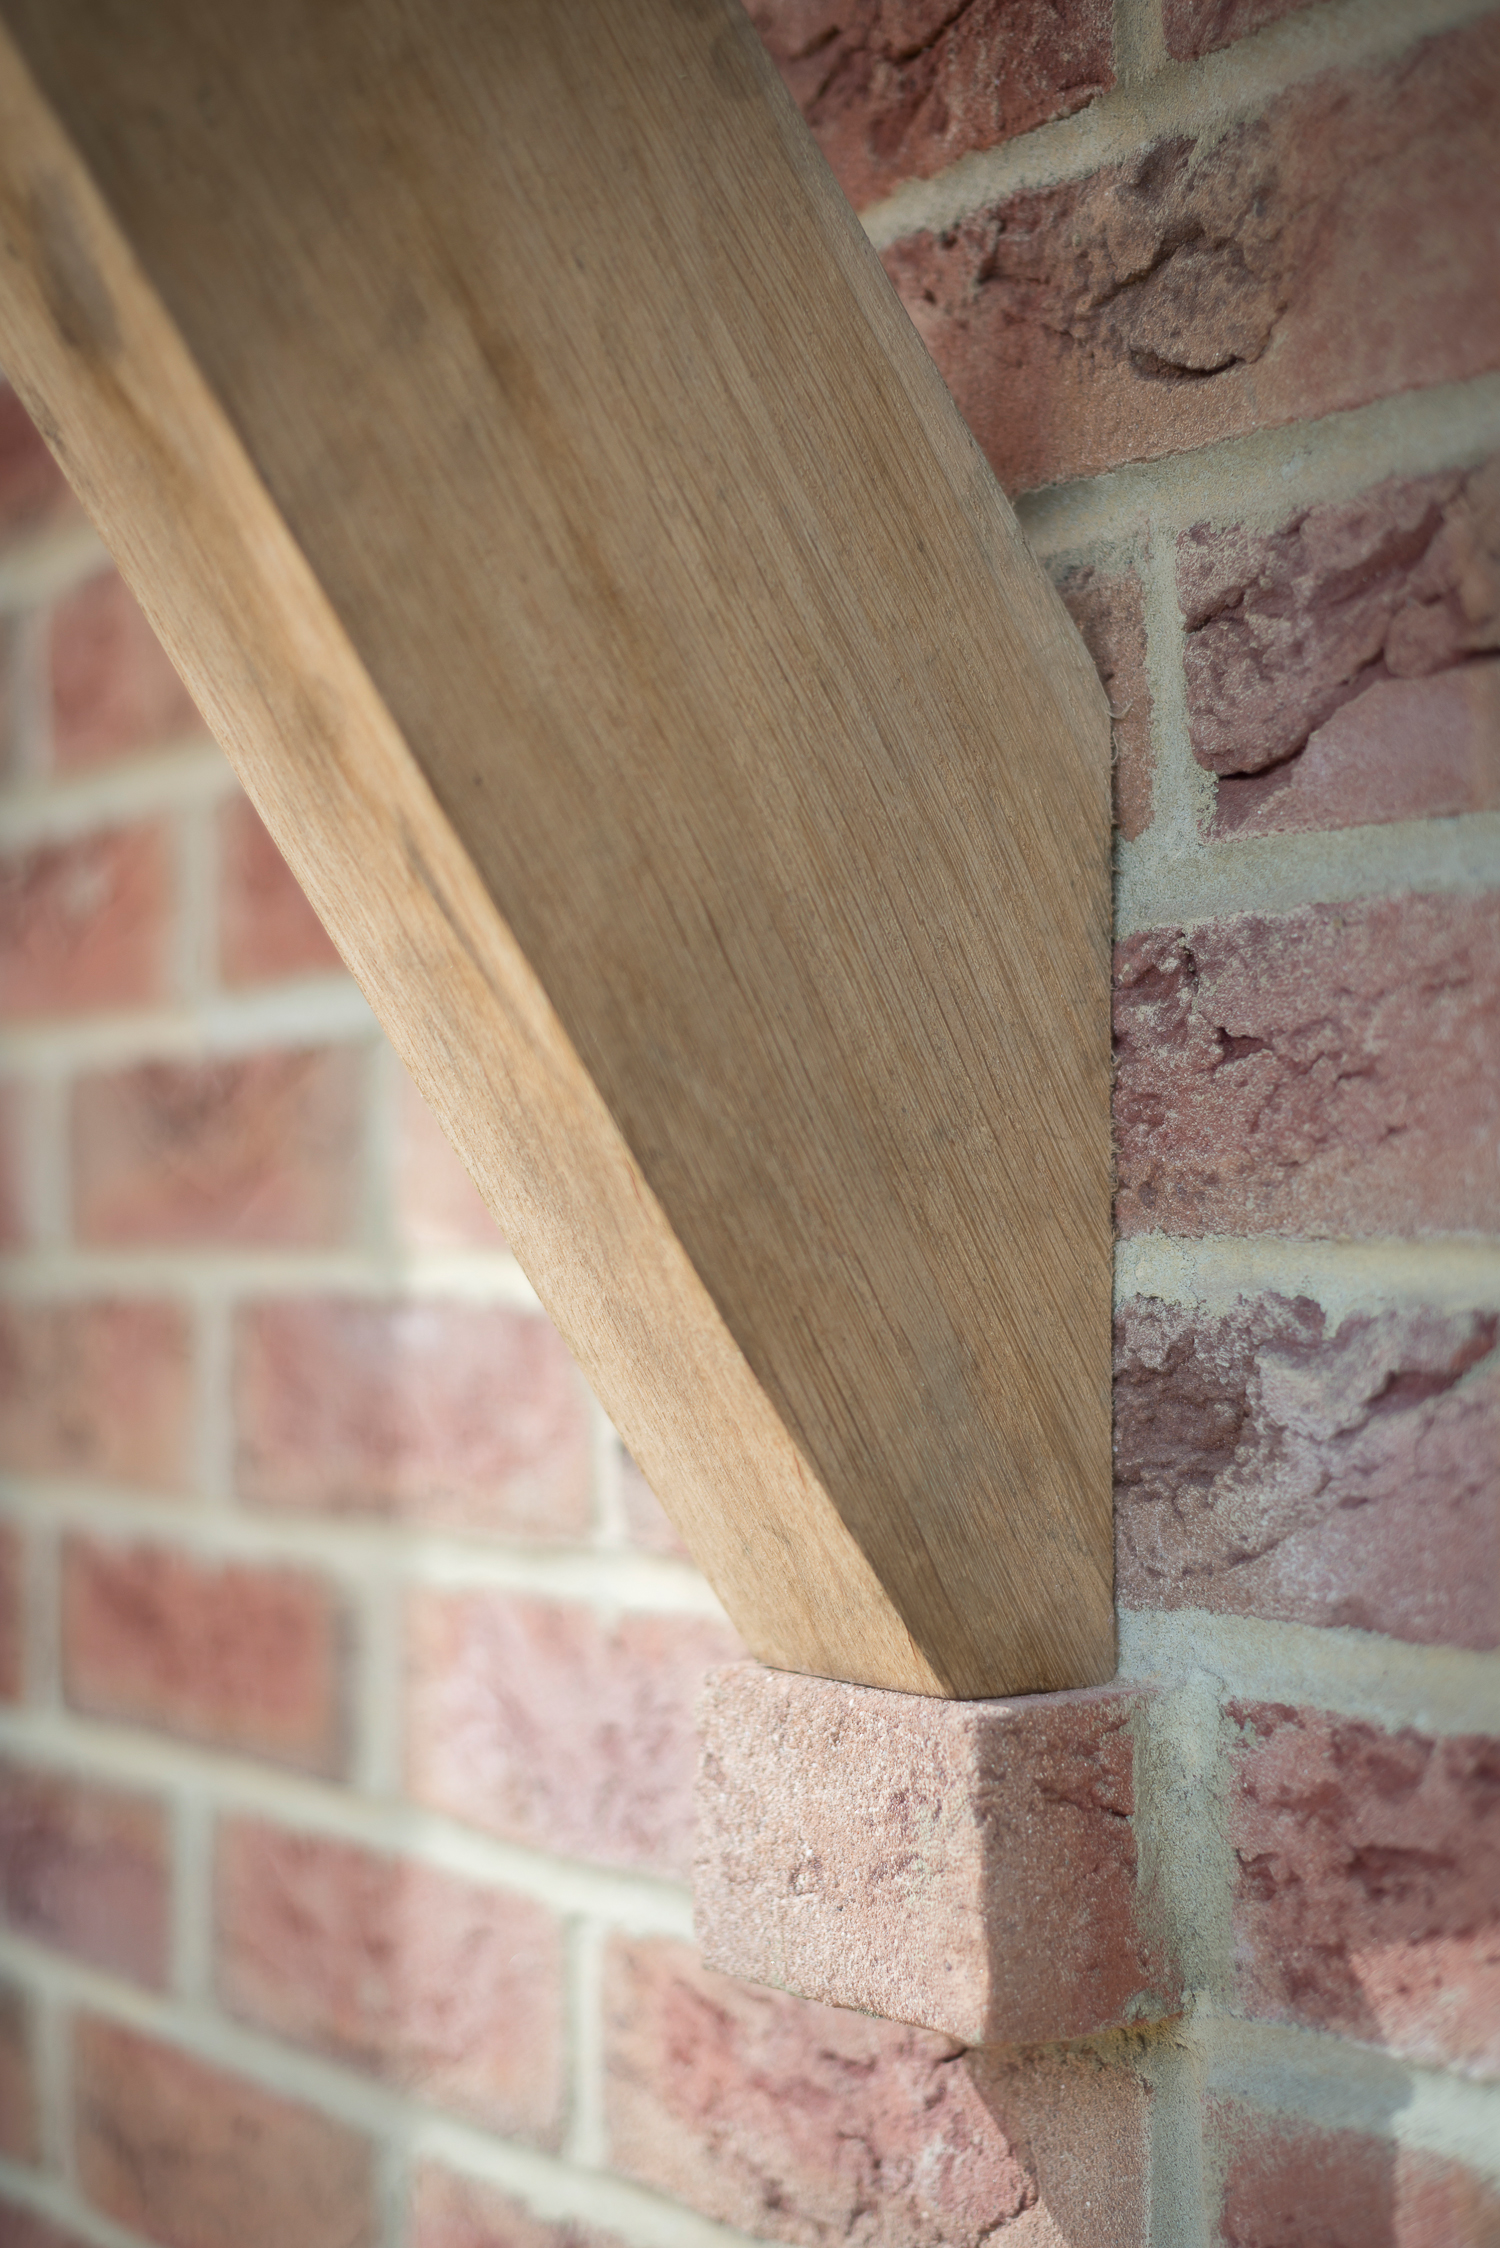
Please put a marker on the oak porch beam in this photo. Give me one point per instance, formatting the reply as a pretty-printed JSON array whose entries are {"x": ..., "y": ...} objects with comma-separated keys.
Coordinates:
[{"x": 507, "y": 428}]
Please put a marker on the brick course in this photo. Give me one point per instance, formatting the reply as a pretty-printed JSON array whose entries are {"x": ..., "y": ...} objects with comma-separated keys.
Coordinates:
[
  {"x": 87, "y": 925},
  {"x": 97, "y": 1391},
  {"x": 1286, "y": 2181},
  {"x": 84, "y": 1869},
  {"x": 454, "y": 2212}
]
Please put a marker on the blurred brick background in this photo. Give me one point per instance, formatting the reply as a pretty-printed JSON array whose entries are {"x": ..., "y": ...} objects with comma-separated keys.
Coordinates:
[{"x": 346, "y": 1664}]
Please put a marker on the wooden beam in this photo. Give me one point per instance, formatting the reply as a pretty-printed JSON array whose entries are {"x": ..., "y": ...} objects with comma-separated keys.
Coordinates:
[{"x": 518, "y": 447}]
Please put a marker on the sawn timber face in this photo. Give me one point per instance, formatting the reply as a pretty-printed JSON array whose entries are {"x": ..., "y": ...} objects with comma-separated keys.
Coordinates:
[{"x": 543, "y": 494}]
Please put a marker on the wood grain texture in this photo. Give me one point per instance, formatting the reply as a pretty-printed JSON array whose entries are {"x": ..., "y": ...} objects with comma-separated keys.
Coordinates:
[{"x": 518, "y": 447}]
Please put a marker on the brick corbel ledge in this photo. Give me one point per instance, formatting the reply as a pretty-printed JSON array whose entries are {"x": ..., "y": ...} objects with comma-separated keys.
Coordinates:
[{"x": 968, "y": 1867}]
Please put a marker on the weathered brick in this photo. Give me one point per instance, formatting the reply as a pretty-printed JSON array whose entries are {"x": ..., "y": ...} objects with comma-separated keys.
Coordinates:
[
  {"x": 84, "y": 1868},
  {"x": 436, "y": 1203},
  {"x": 85, "y": 925},
  {"x": 814, "y": 2126},
  {"x": 545, "y": 1725},
  {"x": 23, "y": 2228},
  {"x": 1334, "y": 250},
  {"x": 968, "y": 1867},
  {"x": 1198, "y": 27},
  {"x": 1335, "y": 667},
  {"x": 194, "y": 2158},
  {"x": 113, "y": 689},
  {"x": 899, "y": 89},
  {"x": 455, "y": 2212},
  {"x": 1109, "y": 609},
  {"x": 430, "y": 1412},
  {"x": 33, "y": 489},
  {"x": 1332, "y": 1070},
  {"x": 1367, "y": 1899},
  {"x": 1267, "y": 1466},
  {"x": 97, "y": 1391},
  {"x": 450, "y": 1991},
  {"x": 12, "y": 1614},
  {"x": 18, "y": 2108},
  {"x": 267, "y": 929},
  {"x": 244, "y": 1657},
  {"x": 1286, "y": 2181},
  {"x": 263, "y": 1150}
]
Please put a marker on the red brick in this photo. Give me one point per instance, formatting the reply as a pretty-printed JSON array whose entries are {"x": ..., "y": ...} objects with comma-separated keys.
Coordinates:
[
  {"x": 429, "y": 1412},
  {"x": 113, "y": 689},
  {"x": 900, "y": 89},
  {"x": 85, "y": 925},
  {"x": 449, "y": 1991},
  {"x": 194, "y": 2158},
  {"x": 968, "y": 1867},
  {"x": 33, "y": 490},
  {"x": 1197, "y": 27},
  {"x": 243, "y": 1657},
  {"x": 436, "y": 1203},
  {"x": 12, "y": 1614},
  {"x": 23, "y": 2228},
  {"x": 1335, "y": 250},
  {"x": 1333, "y": 1070},
  {"x": 1109, "y": 609},
  {"x": 13, "y": 1221},
  {"x": 813, "y": 2126},
  {"x": 647, "y": 1523},
  {"x": 18, "y": 2109},
  {"x": 1265, "y": 1466},
  {"x": 267, "y": 929},
  {"x": 538, "y": 1721},
  {"x": 84, "y": 1868},
  {"x": 454, "y": 2212},
  {"x": 1368, "y": 1891},
  {"x": 1286, "y": 2181},
  {"x": 98, "y": 1391},
  {"x": 261, "y": 1150}
]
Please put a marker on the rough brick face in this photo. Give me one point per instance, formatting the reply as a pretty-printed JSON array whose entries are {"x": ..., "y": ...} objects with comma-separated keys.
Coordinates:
[
  {"x": 97, "y": 1391},
  {"x": 1368, "y": 1897},
  {"x": 548, "y": 1727},
  {"x": 194, "y": 2158},
  {"x": 1284, "y": 2182},
  {"x": 84, "y": 1868},
  {"x": 18, "y": 2116},
  {"x": 450, "y": 1991},
  {"x": 267, "y": 929},
  {"x": 243, "y": 1657},
  {"x": 1197, "y": 27},
  {"x": 85, "y": 926},
  {"x": 258, "y": 1150},
  {"x": 1336, "y": 249},
  {"x": 1265, "y": 1466},
  {"x": 899, "y": 89},
  {"x": 12, "y": 1614},
  {"x": 454, "y": 2212},
  {"x": 1108, "y": 608},
  {"x": 113, "y": 690},
  {"x": 1330, "y": 1071},
  {"x": 429, "y": 1412}
]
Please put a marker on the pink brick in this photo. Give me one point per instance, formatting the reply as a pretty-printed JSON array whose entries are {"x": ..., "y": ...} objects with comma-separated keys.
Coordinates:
[
  {"x": 428, "y": 1412},
  {"x": 264, "y": 1150},
  {"x": 1197, "y": 27},
  {"x": 85, "y": 925},
  {"x": 33, "y": 490},
  {"x": 1286, "y": 2181},
  {"x": 1368, "y": 1894},
  {"x": 18, "y": 2110},
  {"x": 455, "y": 2212},
  {"x": 84, "y": 1869},
  {"x": 113, "y": 690},
  {"x": 1108, "y": 608},
  {"x": 900, "y": 89},
  {"x": 243, "y": 1657},
  {"x": 13, "y": 1216},
  {"x": 1335, "y": 250},
  {"x": 809, "y": 2125},
  {"x": 12, "y": 1614},
  {"x": 1333, "y": 1070},
  {"x": 267, "y": 929},
  {"x": 97, "y": 1391},
  {"x": 449, "y": 1991},
  {"x": 647, "y": 1523},
  {"x": 545, "y": 1725},
  {"x": 968, "y": 1867},
  {"x": 437, "y": 1204},
  {"x": 1266, "y": 1465},
  {"x": 191, "y": 2157}
]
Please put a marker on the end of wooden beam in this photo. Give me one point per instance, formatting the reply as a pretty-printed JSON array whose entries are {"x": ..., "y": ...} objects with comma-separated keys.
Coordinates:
[{"x": 968, "y": 1867}]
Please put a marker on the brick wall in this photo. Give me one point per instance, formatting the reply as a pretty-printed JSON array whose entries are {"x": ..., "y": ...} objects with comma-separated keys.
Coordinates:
[{"x": 346, "y": 1665}]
